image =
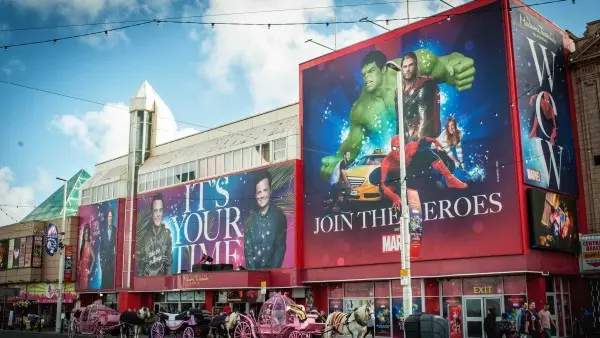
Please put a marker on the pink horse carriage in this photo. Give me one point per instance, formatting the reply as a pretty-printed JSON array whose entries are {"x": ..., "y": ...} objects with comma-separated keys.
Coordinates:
[
  {"x": 279, "y": 317},
  {"x": 94, "y": 320}
]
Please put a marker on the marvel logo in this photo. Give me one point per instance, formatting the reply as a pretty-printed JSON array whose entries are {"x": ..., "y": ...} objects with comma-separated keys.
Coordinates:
[
  {"x": 391, "y": 243},
  {"x": 534, "y": 175}
]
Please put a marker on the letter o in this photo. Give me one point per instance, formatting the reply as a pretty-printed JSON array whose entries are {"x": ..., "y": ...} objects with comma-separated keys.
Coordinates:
[{"x": 468, "y": 207}]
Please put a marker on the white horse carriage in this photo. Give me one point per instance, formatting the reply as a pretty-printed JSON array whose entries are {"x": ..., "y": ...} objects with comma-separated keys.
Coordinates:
[{"x": 279, "y": 317}]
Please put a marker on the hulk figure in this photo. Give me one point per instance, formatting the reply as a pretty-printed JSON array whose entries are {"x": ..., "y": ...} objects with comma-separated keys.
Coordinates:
[{"x": 373, "y": 115}]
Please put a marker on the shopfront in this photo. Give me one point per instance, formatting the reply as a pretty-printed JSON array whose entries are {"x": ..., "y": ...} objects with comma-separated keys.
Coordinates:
[
  {"x": 178, "y": 301},
  {"x": 463, "y": 301}
]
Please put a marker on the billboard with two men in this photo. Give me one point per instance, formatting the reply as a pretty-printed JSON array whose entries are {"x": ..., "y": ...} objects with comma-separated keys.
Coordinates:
[
  {"x": 245, "y": 219},
  {"x": 460, "y": 180}
]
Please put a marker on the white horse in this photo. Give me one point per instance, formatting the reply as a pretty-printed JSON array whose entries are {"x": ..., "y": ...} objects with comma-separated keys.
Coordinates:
[
  {"x": 228, "y": 325},
  {"x": 353, "y": 324},
  {"x": 231, "y": 322},
  {"x": 134, "y": 320}
]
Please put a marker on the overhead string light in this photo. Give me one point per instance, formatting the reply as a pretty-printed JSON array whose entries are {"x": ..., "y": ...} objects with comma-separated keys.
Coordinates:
[{"x": 213, "y": 24}]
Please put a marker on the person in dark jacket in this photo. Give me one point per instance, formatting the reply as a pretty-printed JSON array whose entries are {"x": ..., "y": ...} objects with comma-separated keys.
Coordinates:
[{"x": 489, "y": 324}]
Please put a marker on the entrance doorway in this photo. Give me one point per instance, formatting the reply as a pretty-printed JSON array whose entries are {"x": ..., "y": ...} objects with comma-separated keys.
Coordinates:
[{"x": 475, "y": 312}]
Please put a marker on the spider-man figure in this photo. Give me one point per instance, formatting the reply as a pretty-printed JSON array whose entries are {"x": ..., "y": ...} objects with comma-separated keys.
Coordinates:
[{"x": 549, "y": 115}]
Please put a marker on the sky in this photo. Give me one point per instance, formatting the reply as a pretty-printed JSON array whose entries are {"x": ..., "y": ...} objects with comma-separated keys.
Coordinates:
[{"x": 207, "y": 76}]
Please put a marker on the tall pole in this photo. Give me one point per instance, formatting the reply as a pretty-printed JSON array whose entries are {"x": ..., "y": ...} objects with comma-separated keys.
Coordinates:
[
  {"x": 61, "y": 265},
  {"x": 404, "y": 230},
  {"x": 407, "y": 13}
]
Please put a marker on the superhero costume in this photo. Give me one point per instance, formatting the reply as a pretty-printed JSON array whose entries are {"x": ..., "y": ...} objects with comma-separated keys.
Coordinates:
[{"x": 548, "y": 117}]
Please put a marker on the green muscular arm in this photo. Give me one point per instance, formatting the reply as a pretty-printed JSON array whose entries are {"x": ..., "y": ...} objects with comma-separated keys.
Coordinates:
[
  {"x": 454, "y": 69},
  {"x": 352, "y": 143}
]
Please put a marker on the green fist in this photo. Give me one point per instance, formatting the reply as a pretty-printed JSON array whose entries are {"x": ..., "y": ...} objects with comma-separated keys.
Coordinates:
[
  {"x": 459, "y": 70},
  {"x": 328, "y": 166}
]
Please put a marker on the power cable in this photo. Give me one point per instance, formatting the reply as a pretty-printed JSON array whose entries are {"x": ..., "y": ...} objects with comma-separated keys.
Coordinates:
[{"x": 268, "y": 24}]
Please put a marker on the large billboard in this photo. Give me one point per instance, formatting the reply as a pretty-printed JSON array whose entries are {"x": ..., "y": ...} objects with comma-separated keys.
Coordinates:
[
  {"x": 547, "y": 140},
  {"x": 553, "y": 221},
  {"x": 459, "y": 151},
  {"x": 245, "y": 219},
  {"x": 97, "y": 243}
]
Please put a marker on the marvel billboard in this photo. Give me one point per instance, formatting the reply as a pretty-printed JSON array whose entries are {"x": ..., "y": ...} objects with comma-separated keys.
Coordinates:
[
  {"x": 547, "y": 140},
  {"x": 97, "y": 244},
  {"x": 245, "y": 219},
  {"x": 459, "y": 151},
  {"x": 553, "y": 221}
]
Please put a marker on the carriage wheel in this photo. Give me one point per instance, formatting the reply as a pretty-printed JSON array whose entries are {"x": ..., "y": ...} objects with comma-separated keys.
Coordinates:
[
  {"x": 296, "y": 334},
  {"x": 71, "y": 331},
  {"x": 157, "y": 330},
  {"x": 100, "y": 333},
  {"x": 188, "y": 333},
  {"x": 243, "y": 330}
]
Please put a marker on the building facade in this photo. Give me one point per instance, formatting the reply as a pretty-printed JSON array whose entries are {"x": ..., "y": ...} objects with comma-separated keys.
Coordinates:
[
  {"x": 303, "y": 199},
  {"x": 29, "y": 272},
  {"x": 585, "y": 65}
]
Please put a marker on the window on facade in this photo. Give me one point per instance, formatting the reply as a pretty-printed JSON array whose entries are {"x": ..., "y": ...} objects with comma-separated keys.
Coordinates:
[
  {"x": 163, "y": 178},
  {"x": 279, "y": 149},
  {"x": 219, "y": 164},
  {"x": 247, "y": 158},
  {"x": 265, "y": 151},
  {"x": 229, "y": 162},
  {"x": 100, "y": 193},
  {"x": 105, "y": 193},
  {"x": 237, "y": 160},
  {"x": 141, "y": 183},
  {"x": 86, "y": 199},
  {"x": 192, "y": 169},
  {"x": 184, "y": 172},
  {"x": 177, "y": 174},
  {"x": 111, "y": 190},
  {"x": 256, "y": 156},
  {"x": 210, "y": 163},
  {"x": 155, "y": 179},
  {"x": 170, "y": 175},
  {"x": 202, "y": 168}
]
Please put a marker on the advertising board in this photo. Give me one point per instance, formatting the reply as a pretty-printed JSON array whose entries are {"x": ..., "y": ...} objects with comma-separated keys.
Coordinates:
[
  {"x": 98, "y": 224},
  {"x": 547, "y": 141},
  {"x": 553, "y": 221},
  {"x": 590, "y": 253},
  {"x": 245, "y": 219},
  {"x": 457, "y": 129}
]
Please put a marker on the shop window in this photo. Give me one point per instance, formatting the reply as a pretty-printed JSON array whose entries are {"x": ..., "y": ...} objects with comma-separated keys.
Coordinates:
[
  {"x": 155, "y": 179},
  {"x": 482, "y": 286},
  {"x": 359, "y": 289},
  {"x": 192, "y": 171},
  {"x": 398, "y": 289},
  {"x": 265, "y": 151},
  {"x": 163, "y": 178},
  {"x": 279, "y": 149},
  {"x": 452, "y": 287},
  {"x": 184, "y": 172},
  {"x": 228, "y": 162},
  {"x": 210, "y": 163},
  {"x": 105, "y": 192},
  {"x": 202, "y": 168},
  {"x": 86, "y": 199},
  {"x": 173, "y": 296},
  {"x": 549, "y": 284},
  {"x": 159, "y": 297},
  {"x": 177, "y": 174},
  {"x": 432, "y": 288},
  {"x": 515, "y": 285},
  {"x": 199, "y": 296},
  {"x": 237, "y": 160},
  {"x": 170, "y": 172},
  {"x": 247, "y": 158},
  {"x": 432, "y": 305},
  {"x": 336, "y": 305},
  {"x": 382, "y": 289},
  {"x": 219, "y": 165},
  {"x": 448, "y": 302},
  {"x": 336, "y": 291},
  {"x": 111, "y": 190}
]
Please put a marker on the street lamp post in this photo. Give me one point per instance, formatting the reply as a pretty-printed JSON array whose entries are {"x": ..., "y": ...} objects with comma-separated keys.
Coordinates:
[
  {"x": 404, "y": 228},
  {"x": 61, "y": 266}
]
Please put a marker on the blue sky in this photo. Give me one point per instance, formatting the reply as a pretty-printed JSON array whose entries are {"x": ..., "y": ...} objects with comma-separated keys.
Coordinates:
[{"x": 206, "y": 76}]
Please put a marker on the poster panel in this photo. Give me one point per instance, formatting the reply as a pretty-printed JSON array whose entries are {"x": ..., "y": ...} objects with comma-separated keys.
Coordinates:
[
  {"x": 22, "y": 252},
  {"x": 16, "y": 256},
  {"x": 47, "y": 292},
  {"x": 11, "y": 249},
  {"x": 398, "y": 314},
  {"x": 590, "y": 253},
  {"x": 36, "y": 256},
  {"x": 547, "y": 140},
  {"x": 336, "y": 305},
  {"x": 244, "y": 219},
  {"x": 383, "y": 320},
  {"x": 552, "y": 221},
  {"x": 459, "y": 154},
  {"x": 97, "y": 245},
  {"x": 513, "y": 305},
  {"x": 28, "y": 251},
  {"x": 4, "y": 254},
  {"x": 68, "y": 274}
]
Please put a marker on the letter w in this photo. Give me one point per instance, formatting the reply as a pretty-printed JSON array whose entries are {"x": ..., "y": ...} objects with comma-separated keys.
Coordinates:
[
  {"x": 545, "y": 64},
  {"x": 556, "y": 169}
]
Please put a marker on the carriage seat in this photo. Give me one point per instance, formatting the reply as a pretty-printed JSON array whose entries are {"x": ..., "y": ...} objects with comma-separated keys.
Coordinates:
[{"x": 299, "y": 311}]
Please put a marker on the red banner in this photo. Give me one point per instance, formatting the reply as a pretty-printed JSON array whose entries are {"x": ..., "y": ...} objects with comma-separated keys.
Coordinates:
[{"x": 68, "y": 263}]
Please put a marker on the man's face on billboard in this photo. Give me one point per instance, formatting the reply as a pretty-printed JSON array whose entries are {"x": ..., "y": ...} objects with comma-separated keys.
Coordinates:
[
  {"x": 372, "y": 76},
  {"x": 109, "y": 218},
  {"x": 409, "y": 68},
  {"x": 263, "y": 193},
  {"x": 157, "y": 212}
]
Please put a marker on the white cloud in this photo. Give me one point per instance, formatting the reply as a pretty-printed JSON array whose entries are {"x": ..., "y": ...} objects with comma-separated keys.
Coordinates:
[
  {"x": 17, "y": 200},
  {"x": 13, "y": 65},
  {"x": 419, "y": 10},
  {"x": 75, "y": 11},
  {"x": 266, "y": 59},
  {"x": 105, "y": 134}
]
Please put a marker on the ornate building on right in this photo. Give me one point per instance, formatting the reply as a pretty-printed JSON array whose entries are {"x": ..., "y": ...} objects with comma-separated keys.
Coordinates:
[{"x": 585, "y": 75}]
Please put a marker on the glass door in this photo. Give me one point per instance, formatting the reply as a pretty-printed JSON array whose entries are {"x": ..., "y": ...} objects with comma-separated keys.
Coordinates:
[
  {"x": 551, "y": 301},
  {"x": 496, "y": 304},
  {"x": 473, "y": 317}
]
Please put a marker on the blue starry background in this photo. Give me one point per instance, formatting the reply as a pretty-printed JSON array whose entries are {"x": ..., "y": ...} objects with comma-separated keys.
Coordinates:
[
  {"x": 535, "y": 157},
  {"x": 483, "y": 114}
]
